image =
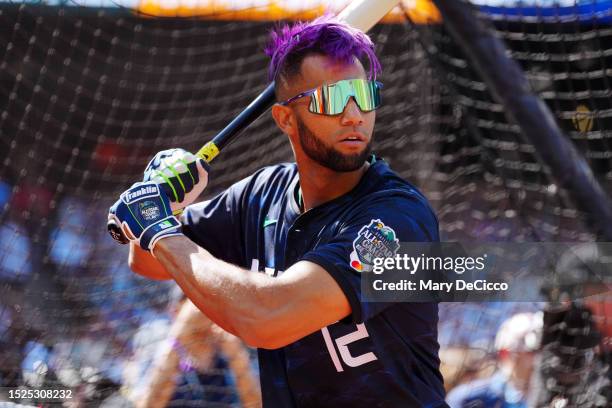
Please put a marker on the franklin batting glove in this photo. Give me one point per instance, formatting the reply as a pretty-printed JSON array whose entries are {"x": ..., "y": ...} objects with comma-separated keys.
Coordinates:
[
  {"x": 182, "y": 176},
  {"x": 144, "y": 214}
]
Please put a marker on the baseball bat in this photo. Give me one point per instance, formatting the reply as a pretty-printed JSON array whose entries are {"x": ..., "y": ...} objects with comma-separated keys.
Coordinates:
[{"x": 360, "y": 14}]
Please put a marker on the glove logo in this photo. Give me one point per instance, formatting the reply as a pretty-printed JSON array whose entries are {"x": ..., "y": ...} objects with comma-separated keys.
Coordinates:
[
  {"x": 374, "y": 240},
  {"x": 131, "y": 196},
  {"x": 116, "y": 235},
  {"x": 149, "y": 210},
  {"x": 165, "y": 225}
]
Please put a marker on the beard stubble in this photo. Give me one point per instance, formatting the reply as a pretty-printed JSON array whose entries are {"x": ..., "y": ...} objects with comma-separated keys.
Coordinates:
[{"x": 327, "y": 156}]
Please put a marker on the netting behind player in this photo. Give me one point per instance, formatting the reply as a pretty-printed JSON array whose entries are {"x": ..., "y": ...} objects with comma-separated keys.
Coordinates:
[
  {"x": 88, "y": 95},
  {"x": 493, "y": 187}
]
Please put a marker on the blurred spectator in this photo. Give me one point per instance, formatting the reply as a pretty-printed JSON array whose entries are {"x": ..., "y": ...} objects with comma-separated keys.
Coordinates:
[
  {"x": 33, "y": 201},
  {"x": 15, "y": 245},
  {"x": 15, "y": 254},
  {"x": 15, "y": 270},
  {"x": 516, "y": 343},
  {"x": 11, "y": 343},
  {"x": 474, "y": 325},
  {"x": 186, "y": 366},
  {"x": 68, "y": 248},
  {"x": 112, "y": 157},
  {"x": 6, "y": 190},
  {"x": 35, "y": 364}
]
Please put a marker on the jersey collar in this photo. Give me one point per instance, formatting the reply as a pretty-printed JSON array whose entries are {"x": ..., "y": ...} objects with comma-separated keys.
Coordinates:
[{"x": 371, "y": 173}]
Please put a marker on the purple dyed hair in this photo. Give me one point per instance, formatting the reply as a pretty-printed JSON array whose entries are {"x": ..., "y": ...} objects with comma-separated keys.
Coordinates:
[{"x": 326, "y": 35}]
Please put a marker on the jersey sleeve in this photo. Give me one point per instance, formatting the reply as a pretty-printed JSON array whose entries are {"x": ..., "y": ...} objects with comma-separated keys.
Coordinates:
[
  {"x": 216, "y": 224},
  {"x": 374, "y": 231}
]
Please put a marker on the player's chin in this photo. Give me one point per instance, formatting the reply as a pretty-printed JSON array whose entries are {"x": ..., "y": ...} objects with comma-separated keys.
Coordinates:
[{"x": 349, "y": 162}]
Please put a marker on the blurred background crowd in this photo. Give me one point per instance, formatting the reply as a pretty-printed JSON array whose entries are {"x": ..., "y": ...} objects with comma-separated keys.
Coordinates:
[{"x": 72, "y": 314}]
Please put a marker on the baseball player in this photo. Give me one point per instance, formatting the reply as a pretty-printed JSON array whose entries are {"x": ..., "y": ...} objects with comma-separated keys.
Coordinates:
[{"x": 311, "y": 227}]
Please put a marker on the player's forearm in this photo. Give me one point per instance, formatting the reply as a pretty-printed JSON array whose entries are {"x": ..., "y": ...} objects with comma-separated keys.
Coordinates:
[
  {"x": 228, "y": 295},
  {"x": 143, "y": 263}
]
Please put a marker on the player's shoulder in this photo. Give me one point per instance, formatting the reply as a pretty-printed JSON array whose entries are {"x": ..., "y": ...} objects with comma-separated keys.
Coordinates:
[
  {"x": 275, "y": 177},
  {"x": 384, "y": 180},
  {"x": 386, "y": 190},
  {"x": 271, "y": 180},
  {"x": 384, "y": 199},
  {"x": 277, "y": 172}
]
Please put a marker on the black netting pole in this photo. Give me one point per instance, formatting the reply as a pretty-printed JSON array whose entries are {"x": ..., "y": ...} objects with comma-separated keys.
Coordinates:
[{"x": 507, "y": 82}]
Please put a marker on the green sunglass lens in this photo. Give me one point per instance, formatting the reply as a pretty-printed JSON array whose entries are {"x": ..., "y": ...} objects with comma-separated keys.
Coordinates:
[
  {"x": 333, "y": 98},
  {"x": 363, "y": 95}
]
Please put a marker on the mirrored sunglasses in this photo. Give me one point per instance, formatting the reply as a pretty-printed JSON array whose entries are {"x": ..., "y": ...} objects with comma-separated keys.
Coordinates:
[{"x": 331, "y": 99}]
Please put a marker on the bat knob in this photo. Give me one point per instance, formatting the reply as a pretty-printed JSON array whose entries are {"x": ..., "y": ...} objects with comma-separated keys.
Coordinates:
[{"x": 115, "y": 231}]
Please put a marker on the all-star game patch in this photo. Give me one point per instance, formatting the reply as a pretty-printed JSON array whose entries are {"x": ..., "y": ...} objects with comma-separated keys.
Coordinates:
[
  {"x": 374, "y": 240},
  {"x": 149, "y": 210}
]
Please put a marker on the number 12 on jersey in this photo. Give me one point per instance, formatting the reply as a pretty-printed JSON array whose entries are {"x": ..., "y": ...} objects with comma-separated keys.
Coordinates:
[{"x": 342, "y": 344}]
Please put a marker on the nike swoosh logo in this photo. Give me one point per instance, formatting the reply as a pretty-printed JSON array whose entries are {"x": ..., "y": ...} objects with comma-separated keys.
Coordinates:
[{"x": 268, "y": 222}]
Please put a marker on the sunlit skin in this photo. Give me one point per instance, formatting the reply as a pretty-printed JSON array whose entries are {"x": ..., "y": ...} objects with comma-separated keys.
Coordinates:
[{"x": 319, "y": 183}]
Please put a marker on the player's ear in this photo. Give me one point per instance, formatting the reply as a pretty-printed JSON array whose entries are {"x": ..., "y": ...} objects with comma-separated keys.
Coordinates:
[{"x": 284, "y": 118}]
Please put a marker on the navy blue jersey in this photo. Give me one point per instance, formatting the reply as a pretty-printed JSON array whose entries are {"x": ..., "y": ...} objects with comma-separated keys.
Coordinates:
[{"x": 383, "y": 354}]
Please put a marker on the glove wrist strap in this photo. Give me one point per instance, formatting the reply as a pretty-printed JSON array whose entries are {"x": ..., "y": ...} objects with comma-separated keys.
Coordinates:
[{"x": 165, "y": 227}]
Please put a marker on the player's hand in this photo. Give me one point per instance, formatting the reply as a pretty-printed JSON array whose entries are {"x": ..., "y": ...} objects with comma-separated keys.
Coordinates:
[
  {"x": 144, "y": 215},
  {"x": 181, "y": 175}
]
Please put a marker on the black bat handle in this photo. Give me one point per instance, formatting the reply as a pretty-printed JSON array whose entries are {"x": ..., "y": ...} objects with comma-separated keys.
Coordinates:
[{"x": 255, "y": 109}]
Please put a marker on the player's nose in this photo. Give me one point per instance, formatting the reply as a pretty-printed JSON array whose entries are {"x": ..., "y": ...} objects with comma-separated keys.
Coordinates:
[{"x": 352, "y": 115}]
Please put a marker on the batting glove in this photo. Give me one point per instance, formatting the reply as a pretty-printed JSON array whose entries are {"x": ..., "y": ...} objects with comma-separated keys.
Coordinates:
[
  {"x": 144, "y": 214},
  {"x": 181, "y": 175}
]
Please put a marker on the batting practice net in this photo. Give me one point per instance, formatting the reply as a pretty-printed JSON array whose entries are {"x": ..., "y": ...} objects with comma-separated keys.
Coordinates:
[{"x": 89, "y": 93}]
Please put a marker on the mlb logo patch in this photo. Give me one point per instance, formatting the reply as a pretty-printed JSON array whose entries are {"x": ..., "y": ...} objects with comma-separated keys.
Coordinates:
[{"x": 374, "y": 240}]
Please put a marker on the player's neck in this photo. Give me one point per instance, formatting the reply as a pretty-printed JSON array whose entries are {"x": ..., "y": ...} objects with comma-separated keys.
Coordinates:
[{"x": 320, "y": 184}]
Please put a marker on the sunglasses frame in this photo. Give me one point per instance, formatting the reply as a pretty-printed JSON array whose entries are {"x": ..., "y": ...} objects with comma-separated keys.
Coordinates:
[{"x": 310, "y": 92}]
